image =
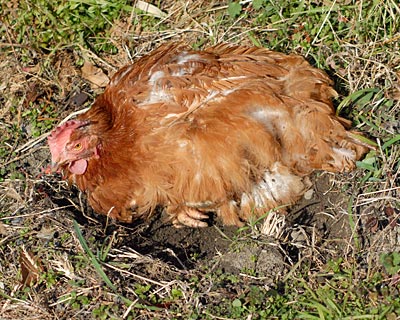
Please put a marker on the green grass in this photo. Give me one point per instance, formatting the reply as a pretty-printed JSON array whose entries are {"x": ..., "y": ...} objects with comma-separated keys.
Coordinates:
[
  {"x": 90, "y": 271},
  {"x": 63, "y": 23}
]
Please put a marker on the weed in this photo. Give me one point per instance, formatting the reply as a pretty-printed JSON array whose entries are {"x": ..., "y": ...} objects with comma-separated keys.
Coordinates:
[{"x": 391, "y": 262}]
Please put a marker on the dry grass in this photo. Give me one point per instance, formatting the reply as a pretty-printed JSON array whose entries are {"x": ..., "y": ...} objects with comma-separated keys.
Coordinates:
[{"x": 328, "y": 251}]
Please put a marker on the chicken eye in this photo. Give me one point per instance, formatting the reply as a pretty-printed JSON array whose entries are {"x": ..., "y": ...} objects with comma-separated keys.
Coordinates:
[{"x": 78, "y": 146}]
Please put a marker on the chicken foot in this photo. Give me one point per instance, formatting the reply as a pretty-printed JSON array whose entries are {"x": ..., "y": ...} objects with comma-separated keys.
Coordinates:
[{"x": 187, "y": 216}]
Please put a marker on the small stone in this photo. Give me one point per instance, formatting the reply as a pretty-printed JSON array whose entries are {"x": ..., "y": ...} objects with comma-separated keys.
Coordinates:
[{"x": 308, "y": 194}]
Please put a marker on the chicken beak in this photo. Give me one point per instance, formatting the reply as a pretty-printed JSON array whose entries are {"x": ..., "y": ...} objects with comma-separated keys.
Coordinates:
[
  {"x": 56, "y": 163},
  {"x": 54, "y": 167}
]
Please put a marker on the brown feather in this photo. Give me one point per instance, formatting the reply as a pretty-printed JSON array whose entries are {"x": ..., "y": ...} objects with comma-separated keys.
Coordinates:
[{"x": 230, "y": 129}]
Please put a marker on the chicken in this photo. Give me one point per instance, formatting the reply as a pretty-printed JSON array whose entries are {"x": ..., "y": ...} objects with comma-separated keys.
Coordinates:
[{"x": 230, "y": 130}]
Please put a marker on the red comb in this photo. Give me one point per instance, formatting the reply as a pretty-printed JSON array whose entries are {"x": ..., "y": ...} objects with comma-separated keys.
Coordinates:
[{"x": 71, "y": 124}]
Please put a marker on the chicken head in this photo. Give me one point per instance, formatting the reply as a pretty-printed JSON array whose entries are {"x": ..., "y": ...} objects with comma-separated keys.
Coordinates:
[{"x": 70, "y": 145}]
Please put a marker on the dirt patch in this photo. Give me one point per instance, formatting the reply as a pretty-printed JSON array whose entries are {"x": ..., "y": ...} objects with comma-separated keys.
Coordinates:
[
  {"x": 324, "y": 214},
  {"x": 185, "y": 247},
  {"x": 318, "y": 226}
]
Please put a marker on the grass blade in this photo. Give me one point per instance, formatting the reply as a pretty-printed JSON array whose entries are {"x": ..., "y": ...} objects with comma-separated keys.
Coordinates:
[
  {"x": 391, "y": 141},
  {"x": 92, "y": 257},
  {"x": 102, "y": 274}
]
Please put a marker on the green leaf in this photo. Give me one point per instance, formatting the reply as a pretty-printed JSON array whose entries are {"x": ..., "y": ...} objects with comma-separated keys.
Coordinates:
[
  {"x": 391, "y": 141},
  {"x": 257, "y": 4},
  {"x": 365, "y": 165},
  {"x": 356, "y": 97},
  {"x": 363, "y": 139},
  {"x": 391, "y": 262},
  {"x": 176, "y": 294},
  {"x": 234, "y": 9},
  {"x": 236, "y": 303}
]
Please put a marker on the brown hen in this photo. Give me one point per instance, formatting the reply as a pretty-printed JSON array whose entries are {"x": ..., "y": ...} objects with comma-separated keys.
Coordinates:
[{"x": 232, "y": 130}]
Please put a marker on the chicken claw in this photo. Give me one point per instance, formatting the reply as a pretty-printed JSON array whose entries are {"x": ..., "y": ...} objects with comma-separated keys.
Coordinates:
[{"x": 190, "y": 218}]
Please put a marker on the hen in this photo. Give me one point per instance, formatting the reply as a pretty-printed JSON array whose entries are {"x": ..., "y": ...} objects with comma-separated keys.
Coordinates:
[{"x": 232, "y": 130}]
